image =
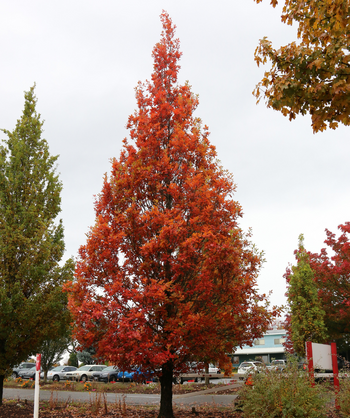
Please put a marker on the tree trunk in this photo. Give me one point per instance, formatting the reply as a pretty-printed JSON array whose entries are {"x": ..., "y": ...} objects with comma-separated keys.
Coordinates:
[
  {"x": 1, "y": 387},
  {"x": 206, "y": 373},
  {"x": 166, "y": 391}
]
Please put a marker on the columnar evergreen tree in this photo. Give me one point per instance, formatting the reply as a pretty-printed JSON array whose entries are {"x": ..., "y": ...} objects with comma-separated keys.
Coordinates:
[
  {"x": 306, "y": 316},
  {"x": 31, "y": 243},
  {"x": 167, "y": 276}
]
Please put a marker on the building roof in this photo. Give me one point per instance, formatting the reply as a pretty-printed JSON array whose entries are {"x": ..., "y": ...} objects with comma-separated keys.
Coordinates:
[
  {"x": 276, "y": 331},
  {"x": 259, "y": 350}
]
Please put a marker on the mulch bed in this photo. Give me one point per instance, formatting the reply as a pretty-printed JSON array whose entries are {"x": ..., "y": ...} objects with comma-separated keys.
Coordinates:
[
  {"x": 22, "y": 409},
  {"x": 19, "y": 409}
]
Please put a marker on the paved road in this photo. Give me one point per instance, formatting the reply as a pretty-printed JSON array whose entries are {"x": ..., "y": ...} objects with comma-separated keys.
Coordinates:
[{"x": 198, "y": 398}]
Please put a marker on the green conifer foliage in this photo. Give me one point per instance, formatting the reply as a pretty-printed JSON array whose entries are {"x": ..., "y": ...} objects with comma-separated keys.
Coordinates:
[
  {"x": 306, "y": 313},
  {"x": 31, "y": 243}
]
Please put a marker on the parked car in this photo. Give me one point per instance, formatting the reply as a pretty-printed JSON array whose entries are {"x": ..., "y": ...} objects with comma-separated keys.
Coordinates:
[
  {"x": 127, "y": 376},
  {"x": 109, "y": 374},
  {"x": 249, "y": 366},
  {"x": 213, "y": 369},
  {"x": 278, "y": 365},
  {"x": 22, "y": 366},
  {"x": 43, "y": 373},
  {"x": 136, "y": 375},
  {"x": 84, "y": 373},
  {"x": 27, "y": 373},
  {"x": 59, "y": 373},
  {"x": 97, "y": 374}
]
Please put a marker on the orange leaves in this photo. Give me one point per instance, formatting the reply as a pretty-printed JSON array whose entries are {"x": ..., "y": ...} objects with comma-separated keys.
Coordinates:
[{"x": 317, "y": 63}]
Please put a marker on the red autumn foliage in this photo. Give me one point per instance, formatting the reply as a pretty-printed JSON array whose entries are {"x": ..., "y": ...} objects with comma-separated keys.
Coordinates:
[
  {"x": 332, "y": 275},
  {"x": 167, "y": 276}
]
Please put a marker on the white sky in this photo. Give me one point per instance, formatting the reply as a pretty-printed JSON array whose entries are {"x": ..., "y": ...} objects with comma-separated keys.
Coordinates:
[{"x": 87, "y": 56}]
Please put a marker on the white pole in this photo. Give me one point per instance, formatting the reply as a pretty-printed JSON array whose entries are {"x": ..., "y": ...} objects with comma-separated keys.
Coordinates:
[{"x": 37, "y": 386}]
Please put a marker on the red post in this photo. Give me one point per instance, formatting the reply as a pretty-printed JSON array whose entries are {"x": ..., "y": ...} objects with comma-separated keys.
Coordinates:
[
  {"x": 310, "y": 362},
  {"x": 38, "y": 362},
  {"x": 335, "y": 372}
]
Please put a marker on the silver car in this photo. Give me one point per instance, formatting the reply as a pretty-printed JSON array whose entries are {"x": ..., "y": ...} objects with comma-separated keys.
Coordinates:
[
  {"x": 59, "y": 373},
  {"x": 277, "y": 365},
  {"x": 27, "y": 373},
  {"x": 21, "y": 367},
  {"x": 85, "y": 373},
  {"x": 249, "y": 366}
]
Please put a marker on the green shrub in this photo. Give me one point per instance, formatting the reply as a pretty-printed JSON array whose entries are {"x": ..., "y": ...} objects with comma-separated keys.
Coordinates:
[
  {"x": 344, "y": 395},
  {"x": 283, "y": 394}
]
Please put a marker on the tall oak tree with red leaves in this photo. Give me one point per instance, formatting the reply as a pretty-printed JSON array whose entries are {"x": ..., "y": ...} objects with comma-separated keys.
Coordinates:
[{"x": 166, "y": 276}]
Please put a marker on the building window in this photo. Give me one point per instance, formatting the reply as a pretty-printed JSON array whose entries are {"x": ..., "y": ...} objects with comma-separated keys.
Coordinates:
[
  {"x": 279, "y": 341},
  {"x": 235, "y": 360},
  {"x": 261, "y": 341}
]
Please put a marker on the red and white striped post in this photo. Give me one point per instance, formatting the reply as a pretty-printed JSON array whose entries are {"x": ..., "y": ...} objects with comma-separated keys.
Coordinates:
[{"x": 37, "y": 386}]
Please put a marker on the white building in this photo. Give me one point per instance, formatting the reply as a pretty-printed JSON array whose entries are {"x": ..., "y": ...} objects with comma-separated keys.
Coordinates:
[{"x": 266, "y": 349}]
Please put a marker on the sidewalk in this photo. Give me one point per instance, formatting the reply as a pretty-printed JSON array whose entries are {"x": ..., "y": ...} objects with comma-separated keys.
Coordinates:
[{"x": 238, "y": 384}]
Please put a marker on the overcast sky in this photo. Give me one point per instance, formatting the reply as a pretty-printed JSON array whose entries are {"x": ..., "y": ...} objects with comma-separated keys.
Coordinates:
[{"x": 86, "y": 58}]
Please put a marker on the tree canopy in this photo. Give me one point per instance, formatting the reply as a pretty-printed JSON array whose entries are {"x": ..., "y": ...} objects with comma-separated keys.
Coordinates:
[
  {"x": 166, "y": 275},
  {"x": 311, "y": 75},
  {"x": 56, "y": 344},
  {"x": 52, "y": 350},
  {"x": 332, "y": 276},
  {"x": 31, "y": 243}
]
